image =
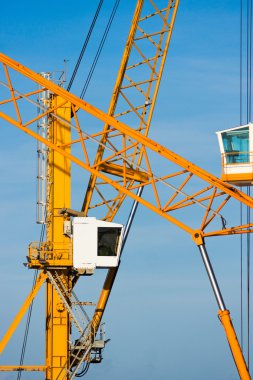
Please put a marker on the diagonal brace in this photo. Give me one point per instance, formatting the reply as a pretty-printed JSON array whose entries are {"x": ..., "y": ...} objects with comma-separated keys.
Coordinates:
[{"x": 42, "y": 277}]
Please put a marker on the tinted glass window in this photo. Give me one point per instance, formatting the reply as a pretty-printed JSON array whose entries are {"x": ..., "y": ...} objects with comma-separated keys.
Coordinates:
[
  {"x": 236, "y": 145},
  {"x": 108, "y": 240}
]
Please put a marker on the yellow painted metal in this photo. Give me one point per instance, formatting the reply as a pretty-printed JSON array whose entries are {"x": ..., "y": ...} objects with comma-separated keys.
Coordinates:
[
  {"x": 118, "y": 170},
  {"x": 244, "y": 228},
  {"x": 160, "y": 150},
  {"x": 145, "y": 142},
  {"x": 114, "y": 99},
  {"x": 234, "y": 345},
  {"x": 50, "y": 254},
  {"x": 134, "y": 99},
  {"x": 40, "y": 280},
  {"x": 241, "y": 175},
  {"x": 59, "y": 196},
  {"x": 238, "y": 179},
  {"x": 244, "y": 198},
  {"x": 148, "y": 88},
  {"x": 128, "y": 132},
  {"x": 103, "y": 299},
  {"x": 57, "y": 317},
  {"x": 58, "y": 326}
]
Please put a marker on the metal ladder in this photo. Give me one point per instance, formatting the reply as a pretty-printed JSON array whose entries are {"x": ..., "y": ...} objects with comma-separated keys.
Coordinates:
[
  {"x": 42, "y": 154},
  {"x": 83, "y": 345},
  {"x": 77, "y": 312}
]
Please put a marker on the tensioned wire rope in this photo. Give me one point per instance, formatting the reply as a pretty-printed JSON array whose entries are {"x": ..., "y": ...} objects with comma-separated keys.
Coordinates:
[
  {"x": 100, "y": 48},
  {"x": 241, "y": 210},
  {"x": 249, "y": 91},
  {"x": 30, "y": 309},
  {"x": 248, "y": 99},
  {"x": 85, "y": 44}
]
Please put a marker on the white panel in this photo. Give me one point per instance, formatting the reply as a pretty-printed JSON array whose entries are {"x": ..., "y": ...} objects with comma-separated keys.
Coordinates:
[
  {"x": 251, "y": 141},
  {"x": 107, "y": 261},
  {"x": 238, "y": 169},
  {"x": 220, "y": 142},
  {"x": 84, "y": 244}
]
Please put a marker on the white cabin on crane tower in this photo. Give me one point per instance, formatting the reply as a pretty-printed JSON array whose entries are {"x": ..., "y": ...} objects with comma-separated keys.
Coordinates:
[
  {"x": 96, "y": 244},
  {"x": 236, "y": 147}
]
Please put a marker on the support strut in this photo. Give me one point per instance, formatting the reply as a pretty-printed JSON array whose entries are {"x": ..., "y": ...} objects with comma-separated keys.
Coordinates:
[{"x": 225, "y": 319}]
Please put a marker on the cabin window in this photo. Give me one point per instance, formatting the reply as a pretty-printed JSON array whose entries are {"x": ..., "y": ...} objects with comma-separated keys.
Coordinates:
[
  {"x": 236, "y": 145},
  {"x": 108, "y": 240}
]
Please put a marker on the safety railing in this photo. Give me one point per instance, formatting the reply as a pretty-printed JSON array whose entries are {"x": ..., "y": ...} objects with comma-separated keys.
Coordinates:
[
  {"x": 237, "y": 157},
  {"x": 59, "y": 253}
]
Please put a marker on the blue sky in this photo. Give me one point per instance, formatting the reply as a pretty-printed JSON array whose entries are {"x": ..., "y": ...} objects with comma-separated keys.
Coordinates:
[{"x": 162, "y": 317}]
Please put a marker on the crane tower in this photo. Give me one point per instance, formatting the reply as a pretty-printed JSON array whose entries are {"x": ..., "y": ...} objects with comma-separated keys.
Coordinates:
[{"x": 123, "y": 165}]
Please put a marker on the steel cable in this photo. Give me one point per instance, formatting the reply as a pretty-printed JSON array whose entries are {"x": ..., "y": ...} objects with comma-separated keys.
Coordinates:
[
  {"x": 241, "y": 208},
  {"x": 30, "y": 309},
  {"x": 22, "y": 356},
  {"x": 248, "y": 284},
  {"x": 85, "y": 44},
  {"x": 84, "y": 370},
  {"x": 249, "y": 91},
  {"x": 101, "y": 45}
]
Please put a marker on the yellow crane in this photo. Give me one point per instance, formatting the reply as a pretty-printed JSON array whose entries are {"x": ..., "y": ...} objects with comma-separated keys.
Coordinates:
[{"x": 121, "y": 168}]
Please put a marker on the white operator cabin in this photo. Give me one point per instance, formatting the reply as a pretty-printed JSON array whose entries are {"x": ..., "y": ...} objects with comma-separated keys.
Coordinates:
[
  {"x": 96, "y": 244},
  {"x": 236, "y": 147}
]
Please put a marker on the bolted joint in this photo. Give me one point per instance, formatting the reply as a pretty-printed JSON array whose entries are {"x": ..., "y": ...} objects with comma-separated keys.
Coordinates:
[
  {"x": 60, "y": 307},
  {"x": 198, "y": 237},
  {"x": 223, "y": 314}
]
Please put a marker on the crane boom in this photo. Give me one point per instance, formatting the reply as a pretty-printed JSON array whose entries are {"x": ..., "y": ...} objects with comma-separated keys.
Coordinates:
[
  {"x": 186, "y": 171},
  {"x": 133, "y": 100},
  {"x": 134, "y": 95},
  {"x": 214, "y": 190}
]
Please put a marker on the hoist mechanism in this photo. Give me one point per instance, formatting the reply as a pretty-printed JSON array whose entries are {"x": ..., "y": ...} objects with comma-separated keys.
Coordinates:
[{"x": 126, "y": 161}]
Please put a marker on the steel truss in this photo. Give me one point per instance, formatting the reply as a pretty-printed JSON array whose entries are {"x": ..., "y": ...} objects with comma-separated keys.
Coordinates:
[
  {"x": 125, "y": 163},
  {"x": 187, "y": 184}
]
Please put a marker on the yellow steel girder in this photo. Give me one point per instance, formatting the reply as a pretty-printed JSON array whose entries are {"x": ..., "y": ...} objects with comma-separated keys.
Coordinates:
[
  {"x": 218, "y": 188},
  {"x": 133, "y": 100}
]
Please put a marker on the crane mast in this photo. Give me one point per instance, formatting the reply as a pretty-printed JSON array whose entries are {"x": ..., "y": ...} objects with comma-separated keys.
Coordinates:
[
  {"x": 123, "y": 163},
  {"x": 59, "y": 196},
  {"x": 140, "y": 72}
]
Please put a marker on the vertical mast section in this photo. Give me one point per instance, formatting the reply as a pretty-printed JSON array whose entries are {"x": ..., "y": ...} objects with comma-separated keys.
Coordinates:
[
  {"x": 42, "y": 151},
  {"x": 58, "y": 195}
]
